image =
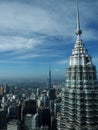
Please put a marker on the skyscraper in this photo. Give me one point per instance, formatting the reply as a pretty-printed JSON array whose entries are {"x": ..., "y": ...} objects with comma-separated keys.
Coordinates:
[
  {"x": 50, "y": 85},
  {"x": 80, "y": 96}
]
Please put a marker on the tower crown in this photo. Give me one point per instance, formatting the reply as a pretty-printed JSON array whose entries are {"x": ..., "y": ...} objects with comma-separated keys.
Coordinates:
[{"x": 79, "y": 53}]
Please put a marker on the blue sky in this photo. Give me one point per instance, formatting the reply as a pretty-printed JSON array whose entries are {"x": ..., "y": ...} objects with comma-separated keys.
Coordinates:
[{"x": 36, "y": 34}]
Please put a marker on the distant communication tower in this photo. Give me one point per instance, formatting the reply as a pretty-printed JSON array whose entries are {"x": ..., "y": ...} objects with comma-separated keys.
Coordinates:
[{"x": 50, "y": 85}]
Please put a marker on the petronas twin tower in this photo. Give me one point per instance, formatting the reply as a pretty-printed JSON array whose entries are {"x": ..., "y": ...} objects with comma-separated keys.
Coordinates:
[{"x": 80, "y": 96}]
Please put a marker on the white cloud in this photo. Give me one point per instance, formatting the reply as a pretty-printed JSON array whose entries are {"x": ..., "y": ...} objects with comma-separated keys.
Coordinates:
[
  {"x": 66, "y": 61},
  {"x": 25, "y": 17},
  {"x": 19, "y": 47},
  {"x": 13, "y": 43},
  {"x": 26, "y": 56},
  {"x": 57, "y": 70}
]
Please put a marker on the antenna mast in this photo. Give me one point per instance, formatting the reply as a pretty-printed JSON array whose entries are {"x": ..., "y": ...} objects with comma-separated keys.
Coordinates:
[{"x": 78, "y": 30}]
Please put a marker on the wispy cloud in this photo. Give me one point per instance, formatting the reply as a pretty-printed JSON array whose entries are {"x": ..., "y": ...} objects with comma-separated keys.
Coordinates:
[
  {"x": 19, "y": 46},
  {"x": 8, "y": 43},
  {"x": 44, "y": 17},
  {"x": 63, "y": 62}
]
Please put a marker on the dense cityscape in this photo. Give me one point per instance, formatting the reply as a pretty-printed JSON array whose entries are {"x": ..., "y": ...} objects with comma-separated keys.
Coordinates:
[{"x": 30, "y": 105}]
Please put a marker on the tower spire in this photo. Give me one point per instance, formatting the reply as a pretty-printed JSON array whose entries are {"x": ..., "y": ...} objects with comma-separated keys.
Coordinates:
[{"x": 78, "y": 30}]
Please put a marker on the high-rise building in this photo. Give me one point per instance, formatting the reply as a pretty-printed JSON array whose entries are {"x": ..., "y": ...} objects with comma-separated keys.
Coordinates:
[
  {"x": 1, "y": 90},
  {"x": 50, "y": 85},
  {"x": 80, "y": 96},
  {"x": 52, "y": 94},
  {"x": 13, "y": 125},
  {"x": 12, "y": 112},
  {"x": 44, "y": 117},
  {"x": 28, "y": 107},
  {"x": 31, "y": 122},
  {"x": 3, "y": 120},
  {"x": 6, "y": 89}
]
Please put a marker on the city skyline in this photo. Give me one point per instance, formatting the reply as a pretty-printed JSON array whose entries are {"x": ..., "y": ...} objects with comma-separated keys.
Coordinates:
[{"x": 37, "y": 34}]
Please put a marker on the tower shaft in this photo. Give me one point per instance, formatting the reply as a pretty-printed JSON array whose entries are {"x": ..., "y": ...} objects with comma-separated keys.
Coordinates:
[{"x": 50, "y": 79}]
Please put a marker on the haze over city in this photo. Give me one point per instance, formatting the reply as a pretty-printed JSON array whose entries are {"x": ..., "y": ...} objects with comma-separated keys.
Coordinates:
[{"x": 36, "y": 34}]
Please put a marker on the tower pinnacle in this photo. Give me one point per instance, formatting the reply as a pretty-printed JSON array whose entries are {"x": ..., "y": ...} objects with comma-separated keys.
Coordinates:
[{"x": 78, "y": 30}]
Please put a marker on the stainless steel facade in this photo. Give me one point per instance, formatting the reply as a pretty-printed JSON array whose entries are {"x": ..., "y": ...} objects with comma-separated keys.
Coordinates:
[{"x": 80, "y": 96}]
